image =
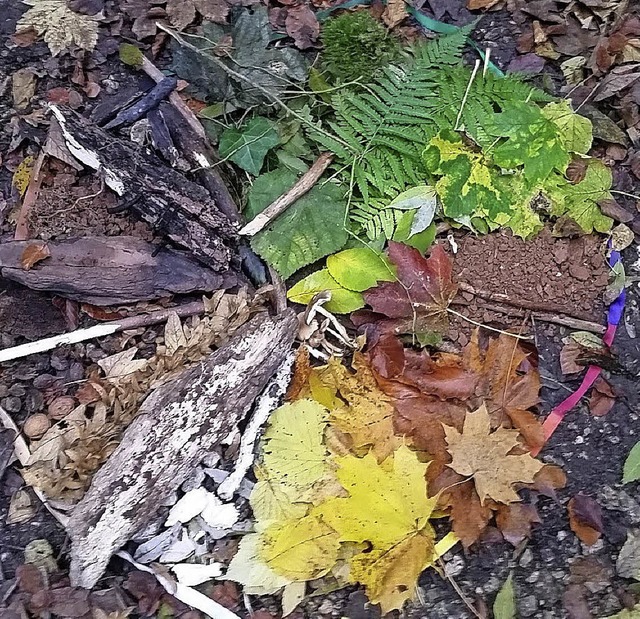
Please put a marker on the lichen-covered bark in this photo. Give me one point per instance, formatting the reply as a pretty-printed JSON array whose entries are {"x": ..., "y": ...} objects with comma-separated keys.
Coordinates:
[{"x": 178, "y": 425}]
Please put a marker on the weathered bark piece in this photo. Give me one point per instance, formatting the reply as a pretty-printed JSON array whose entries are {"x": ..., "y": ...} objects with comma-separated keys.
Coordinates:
[
  {"x": 178, "y": 424},
  {"x": 111, "y": 270},
  {"x": 181, "y": 210}
]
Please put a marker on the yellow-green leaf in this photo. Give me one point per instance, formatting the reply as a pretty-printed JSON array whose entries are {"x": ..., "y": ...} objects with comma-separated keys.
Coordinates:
[
  {"x": 504, "y": 606},
  {"x": 576, "y": 132},
  {"x": 342, "y": 301},
  {"x": 293, "y": 450},
  {"x": 359, "y": 268},
  {"x": 631, "y": 470},
  {"x": 301, "y": 549}
]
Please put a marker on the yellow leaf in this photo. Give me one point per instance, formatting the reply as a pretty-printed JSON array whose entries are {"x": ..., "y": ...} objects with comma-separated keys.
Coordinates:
[
  {"x": 22, "y": 175},
  {"x": 293, "y": 450},
  {"x": 388, "y": 509},
  {"x": 486, "y": 456},
  {"x": 251, "y": 571},
  {"x": 301, "y": 549},
  {"x": 270, "y": 502},
  {"x": 60, "y": 26},
  {"x": 368, "y": 416}
]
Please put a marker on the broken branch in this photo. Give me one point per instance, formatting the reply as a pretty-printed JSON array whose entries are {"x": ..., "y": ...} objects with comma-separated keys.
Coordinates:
[{"x": 304, "y": 184}]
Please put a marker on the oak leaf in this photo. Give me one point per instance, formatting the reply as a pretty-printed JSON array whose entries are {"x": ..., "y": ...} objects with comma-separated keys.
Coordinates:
[
  {"x": 486, "y": 455},
  {"x": 417, "y": 302},
  {"x": 388, "y": 509}
]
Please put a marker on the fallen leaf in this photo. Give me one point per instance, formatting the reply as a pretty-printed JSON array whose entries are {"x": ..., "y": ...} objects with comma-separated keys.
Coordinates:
[
  {"x": 602, "y": 398},
  {"x": 248, "y": 145},
  {"x": 21, "y": 508},
  {"x": 292, "y": 444},
  {"x": 22, "y": 175},
  {"x": 194, "y": 574},
  {"x": 585, "y": 519},
  {"x": 486, "y": 456},
  {"x": 475, "y": 5},
  {"x": 292, "y": 595},
  {"x": 174, "y": 337},
  {"x": 34, "y": 253},
  {"x": 359, "y": 268},
  {"x": 395, "y": 12},
  {"x": 418, "y": 301},
  {"x": 575, "y": 603},
  {"x": 628, "y": 562},
  {"x": 393, "y": 493},
  {"x": 515, "y": 522},
  {"x": 343, "y": 301},
  {"x": 302, "y": 26},
  {"x": 504, "y": 606},
  {"x": 23, "y": 83},
  {"x": 118, "y": 366},
  {"x": 631, "y": 469},
  {"x": 60, "y": 26}
]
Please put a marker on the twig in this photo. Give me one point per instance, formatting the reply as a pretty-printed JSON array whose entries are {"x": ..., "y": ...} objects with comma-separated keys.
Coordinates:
[
  {"x": 108, "y": 328},
  {"x": 265, "y": 404},
  {"x": 279, "y": 291},
  {"x": 155, "y": 74},
  {"x": 306, "y": 182},
  {"x": 480, "y": 324},
  {"x": 535, "y": 306},
  {"x": 476, "y": 66},
  {"x": 458, "y": 590},
  {"x": 565, "y": 321},
  {"x": 30, "y": 197}
]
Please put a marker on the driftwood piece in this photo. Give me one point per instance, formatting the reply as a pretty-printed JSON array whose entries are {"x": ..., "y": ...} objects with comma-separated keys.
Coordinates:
[
  {"x": 178, "y": 424},
  {"x": 110, "y": 270},
  {"x": 183, "y": 211}
]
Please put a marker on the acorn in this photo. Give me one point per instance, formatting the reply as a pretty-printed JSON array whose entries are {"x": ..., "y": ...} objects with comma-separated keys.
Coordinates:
[
  {"x": 61, "y": 407},
  {"x": 36, "y": 425}
]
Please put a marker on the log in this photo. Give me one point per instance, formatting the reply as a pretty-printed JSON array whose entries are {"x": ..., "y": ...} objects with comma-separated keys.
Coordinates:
[
  {"x": 177, "y": 425},
  {"x": 181, "y": 210},
  {"x": 110, "y": 270}
]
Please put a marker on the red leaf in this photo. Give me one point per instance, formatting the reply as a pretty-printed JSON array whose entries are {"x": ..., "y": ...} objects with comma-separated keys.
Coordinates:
[
  {"x": 302, "y": 26},
  {"x": 585, "y": 519},
  {"x": 418, "y": 301},
  {"x": 602, "y": 398}
]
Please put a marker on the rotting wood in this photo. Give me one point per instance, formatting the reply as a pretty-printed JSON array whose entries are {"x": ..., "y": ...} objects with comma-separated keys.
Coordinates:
[
  {"x": 111, "y": 270},
  {"x": 277, "y": 207},
  {"x": 181, "y": 210},
  {"x": 178, "y": 424}
]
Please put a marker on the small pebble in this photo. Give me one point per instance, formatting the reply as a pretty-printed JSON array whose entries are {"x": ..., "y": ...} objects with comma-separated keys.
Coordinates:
[{"x": 11, "y": 404}]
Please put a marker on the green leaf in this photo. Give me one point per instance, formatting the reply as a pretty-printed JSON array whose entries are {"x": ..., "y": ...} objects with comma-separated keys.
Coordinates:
[
  {"x": 576, "y": 132},
  {"x": 468, "y": 181},
  {"x": 631, "y": 469},
  {"x": 533, "y": 141},
  {"x": 359, "y": 269},
  {"x": 343, "y": 301},
  {"x": 504, "y": 606},
  {"x": 248, "y": 146},
  {"x": 292, "y": 240},
  {"x": 421, "y": 240},
  {"x": 580, "y": 202}
]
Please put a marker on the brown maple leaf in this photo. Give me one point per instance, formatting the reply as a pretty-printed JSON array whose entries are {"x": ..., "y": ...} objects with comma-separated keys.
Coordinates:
[
  {"x": 417, "y": 302},
  {"x": 488, "y": 457}
]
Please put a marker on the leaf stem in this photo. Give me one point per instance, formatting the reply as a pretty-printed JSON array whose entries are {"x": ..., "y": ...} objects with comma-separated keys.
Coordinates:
[{"x": 479, "y": 324}]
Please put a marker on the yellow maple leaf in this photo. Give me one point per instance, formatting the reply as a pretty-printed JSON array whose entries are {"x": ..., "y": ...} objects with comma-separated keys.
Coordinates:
[
  {"x": 357, "y": 406},
  {"x": 301, "y": 549},
  {"x": 293, "y": 452},
  {"x": 388, "y": 509},
  {"x": 487, "y": 457},
  {"x": 60, "y": 26}
]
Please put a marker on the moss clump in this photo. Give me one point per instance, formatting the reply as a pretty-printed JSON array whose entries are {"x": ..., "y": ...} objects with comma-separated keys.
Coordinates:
[
  {"x": 130, "y": 55},
  {"x": 356, "y": 45}
]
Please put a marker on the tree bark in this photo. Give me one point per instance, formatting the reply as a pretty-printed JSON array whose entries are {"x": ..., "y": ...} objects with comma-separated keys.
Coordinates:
[{"x": 178, "y": 424}]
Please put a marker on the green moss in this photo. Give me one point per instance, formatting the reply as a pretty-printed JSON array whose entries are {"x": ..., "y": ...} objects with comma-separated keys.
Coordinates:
[
  {"x": 356, "y": 45},
  {"x": 130, "y": 55}
]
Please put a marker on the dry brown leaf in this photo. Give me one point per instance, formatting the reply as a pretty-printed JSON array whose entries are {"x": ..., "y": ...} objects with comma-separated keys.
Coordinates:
[
  {"x": 118, "y": 366},
  {"x": 23, "y": 86},
  {"x": 515, "y": 521},
  {"x": 34, "y": 253},
  {"x": 585, "y": 519},
  {"x": 486, "y": 455},
  {"x": 474, "y": 5},
  {"x": 395, "y": 12},
  {"x": 174, "y": 337}
]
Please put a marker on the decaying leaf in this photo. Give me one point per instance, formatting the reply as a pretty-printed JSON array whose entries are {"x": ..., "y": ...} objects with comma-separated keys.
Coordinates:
[
  {"x": 22, "y": 175},
  {"x": 118, "y": 366},
  {"x": 60, "y": 26},
  {"x": 585, "y": 519},
  {"x": 392, "y": 493},
  {"x": 417, "y": 303},
  {"x": 33, "y": 254},
  {"x": 489, "y": 458}
]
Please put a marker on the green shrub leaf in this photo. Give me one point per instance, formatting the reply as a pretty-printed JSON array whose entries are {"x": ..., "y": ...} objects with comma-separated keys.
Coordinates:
[
  {"x": 248, "y": 146},
  {"x": 359, "y": 268},
  {"x": 343, "y": 301}
]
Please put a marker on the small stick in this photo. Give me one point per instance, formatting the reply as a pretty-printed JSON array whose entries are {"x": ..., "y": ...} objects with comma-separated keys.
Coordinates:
[
  {"x": 30, "y": 197},
  {"x": 155, "y": 74},
  {"x": 523, "y": 304},
  {"x": 565, "y": 321},
  {"x": 108, "y": 328},
  {"x": 306, "y": 182}
]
